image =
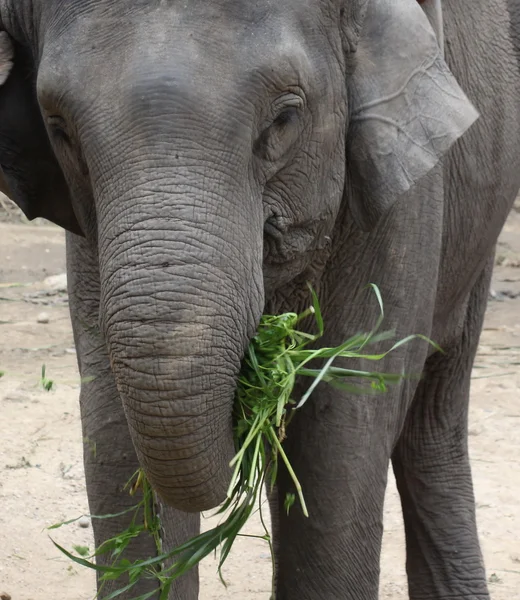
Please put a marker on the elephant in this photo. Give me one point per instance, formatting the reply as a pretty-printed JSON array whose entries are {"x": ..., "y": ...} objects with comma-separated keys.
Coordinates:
[{"x": 207, "y": 160}]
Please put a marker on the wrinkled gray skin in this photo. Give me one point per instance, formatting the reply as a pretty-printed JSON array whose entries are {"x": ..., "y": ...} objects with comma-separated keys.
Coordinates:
[{"x": 219, "y": 155}]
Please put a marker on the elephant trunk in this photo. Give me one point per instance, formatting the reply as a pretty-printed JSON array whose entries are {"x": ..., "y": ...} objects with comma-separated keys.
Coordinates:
[{"x": 181, "y": 295}]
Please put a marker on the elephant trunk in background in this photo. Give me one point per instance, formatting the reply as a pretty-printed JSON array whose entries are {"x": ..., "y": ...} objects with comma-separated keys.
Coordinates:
[{"x": 181, "y": 294}]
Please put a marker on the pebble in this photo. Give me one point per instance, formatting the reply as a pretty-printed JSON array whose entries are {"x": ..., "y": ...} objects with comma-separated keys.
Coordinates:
[
  {"x": 43, "y": 318},
  {"x": 5, "y": 596},
  {"x": 57, "y": 283},
  {"x": 84, "y": 522}
]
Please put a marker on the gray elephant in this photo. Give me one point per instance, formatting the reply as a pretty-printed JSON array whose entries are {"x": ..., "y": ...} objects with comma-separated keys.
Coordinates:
[{"x": 210, "y": 158}]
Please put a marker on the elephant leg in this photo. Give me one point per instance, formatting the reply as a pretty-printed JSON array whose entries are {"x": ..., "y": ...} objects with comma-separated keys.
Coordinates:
[
  {"x": 109, "y": 456},
  {"x": 432, "y": 468},
  {"x": 342, "y": 466}
]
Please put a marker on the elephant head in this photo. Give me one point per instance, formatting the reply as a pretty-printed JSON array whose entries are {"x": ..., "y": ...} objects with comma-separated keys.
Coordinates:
[{"x": 206, "y": 149}]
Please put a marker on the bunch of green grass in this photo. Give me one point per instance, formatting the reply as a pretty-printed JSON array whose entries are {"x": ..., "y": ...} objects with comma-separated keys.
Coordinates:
[
  {"x": 264, "y": 406},
  {"x": 46, "y": 383}
]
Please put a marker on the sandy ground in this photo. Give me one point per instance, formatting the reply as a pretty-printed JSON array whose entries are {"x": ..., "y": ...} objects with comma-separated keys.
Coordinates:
[{"x": 41, "y": 475}]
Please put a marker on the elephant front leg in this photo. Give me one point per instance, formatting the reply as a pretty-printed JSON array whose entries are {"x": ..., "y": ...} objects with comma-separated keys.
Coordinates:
[
  {"x": 109, "y": 456},
  {"x": 433, "y": 473},
  {"x": 342, "y": 466}
]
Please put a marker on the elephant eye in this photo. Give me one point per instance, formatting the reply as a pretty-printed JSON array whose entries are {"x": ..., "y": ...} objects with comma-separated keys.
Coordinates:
[
  {"x": 283, "y": 130},
  {"x": 58, "y": 127},
  {"x": 286, "y": 117}
]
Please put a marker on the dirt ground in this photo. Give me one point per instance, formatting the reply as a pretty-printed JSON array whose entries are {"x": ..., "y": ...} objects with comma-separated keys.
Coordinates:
[{"x": 41, "y": 474}]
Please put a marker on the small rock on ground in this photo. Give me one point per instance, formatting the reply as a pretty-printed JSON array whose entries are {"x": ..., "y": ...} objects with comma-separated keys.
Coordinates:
[
  {"x": 58, "y": 283},
  {"x": 43, "y": 318},
  {"x": 84, "y": 522}
]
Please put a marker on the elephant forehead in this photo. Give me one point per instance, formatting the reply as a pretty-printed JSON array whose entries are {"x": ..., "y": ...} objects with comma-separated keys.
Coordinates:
[
  {"x": 245, "y": 10},
  {"x": 174, "y": 45},
  {"x": 228, "y": 18}
]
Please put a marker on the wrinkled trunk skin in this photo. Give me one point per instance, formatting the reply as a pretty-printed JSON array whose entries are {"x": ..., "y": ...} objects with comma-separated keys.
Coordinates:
[{"x": 181, "y": 293}]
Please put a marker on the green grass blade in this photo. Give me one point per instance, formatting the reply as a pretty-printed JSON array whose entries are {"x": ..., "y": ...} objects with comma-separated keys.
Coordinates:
[
  {"x": 122, "y": 590},
  {"x": 87, "y": 563},
  {"x": 317, "y": 380},
  {"x": 143, "y": 596}
]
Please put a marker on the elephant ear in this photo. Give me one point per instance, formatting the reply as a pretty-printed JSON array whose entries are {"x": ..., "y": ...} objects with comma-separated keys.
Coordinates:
[
  {"x": 29, "y": 172},
  {"x": 406, "y": 108}
]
